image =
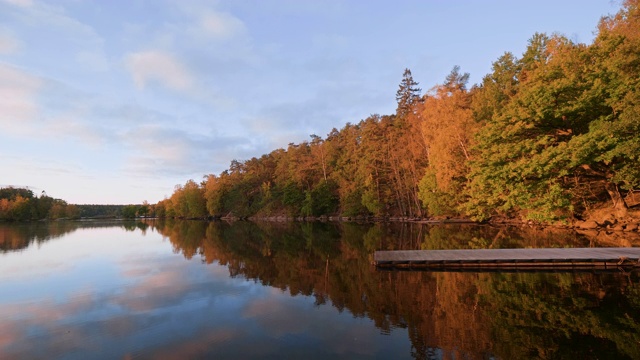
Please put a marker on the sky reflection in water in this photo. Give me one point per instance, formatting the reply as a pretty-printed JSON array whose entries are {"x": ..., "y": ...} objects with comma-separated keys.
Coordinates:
[
  {"x": 191, "y": 289},
  {"x": 110, "y": 293}
]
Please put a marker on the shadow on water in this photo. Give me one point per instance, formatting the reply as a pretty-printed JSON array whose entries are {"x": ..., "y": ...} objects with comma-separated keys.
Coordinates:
[{"x": 446, "y": 315}]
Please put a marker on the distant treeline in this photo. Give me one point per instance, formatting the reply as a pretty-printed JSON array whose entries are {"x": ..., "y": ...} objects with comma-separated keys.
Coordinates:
[
  {"x": 17, "y": 204},
  {"x": 113, "y": 211},
  {"x": 20, "y": 204},
  {"x": 546, "y": 136}
]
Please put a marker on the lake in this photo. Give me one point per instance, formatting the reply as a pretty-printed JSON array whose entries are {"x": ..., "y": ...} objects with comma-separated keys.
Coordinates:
[{"x": 191, "y": 289}]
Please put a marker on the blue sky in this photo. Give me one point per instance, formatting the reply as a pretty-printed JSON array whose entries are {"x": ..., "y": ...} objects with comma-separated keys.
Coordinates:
[{"x": 116, "y": 102}]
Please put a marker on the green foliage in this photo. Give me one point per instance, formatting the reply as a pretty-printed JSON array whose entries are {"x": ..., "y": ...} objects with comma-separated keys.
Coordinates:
[
  {"x": 322, "y": 200},
  {"x": 553, "y": 206},
  {"x": 370, "y": 202},
  {"x": 351, "y": 203},
  {"x": 434, "y": 200},
  {"x": 562, "y": 121},
  {"x": 307, "y": 206},
  {"x": 129, "y": 211},
  {"x": 293, "y": 197},
  {"x": 543, "y": 137},
  {"x": 11, "y": 193},
  {"x": 144, "y": 210},
  {"x": 100, "y": 211}
]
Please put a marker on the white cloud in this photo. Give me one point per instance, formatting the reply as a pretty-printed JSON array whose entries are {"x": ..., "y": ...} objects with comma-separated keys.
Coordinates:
[
  {"x": 8, "y": 44},
  {"x": 70, "y": 124},
  {"x": 220, "y": 25},
  {"x": 218, "y": 36},
  {"x": 18, "y": 91},
  {"x": 160, "y": 150},
  {"x": 156, "y": 149},
  {"x": 207, "y": 22},
  {"x": 159, "y": 142},
  {"x": 158, "y": 66}
]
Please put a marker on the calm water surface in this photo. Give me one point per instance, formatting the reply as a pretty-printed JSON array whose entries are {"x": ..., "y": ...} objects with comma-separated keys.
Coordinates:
[{"x": 181, "y": 289}]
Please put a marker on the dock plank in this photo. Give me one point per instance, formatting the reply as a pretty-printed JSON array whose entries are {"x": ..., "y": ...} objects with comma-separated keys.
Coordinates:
[{"x": 546, "y": 256}]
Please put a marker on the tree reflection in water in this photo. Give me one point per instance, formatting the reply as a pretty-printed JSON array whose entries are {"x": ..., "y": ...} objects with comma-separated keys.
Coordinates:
[
  {"x": 18, "y": 236},
  {"x": 447, "y": 315}
]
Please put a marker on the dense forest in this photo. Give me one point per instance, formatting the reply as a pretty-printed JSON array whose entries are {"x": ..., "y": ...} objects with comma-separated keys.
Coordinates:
[{"x": 547, "y": 136}]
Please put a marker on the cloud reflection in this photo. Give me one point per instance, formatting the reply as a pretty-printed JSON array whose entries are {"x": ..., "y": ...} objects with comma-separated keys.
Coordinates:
[{"x": 162, "y": 306}]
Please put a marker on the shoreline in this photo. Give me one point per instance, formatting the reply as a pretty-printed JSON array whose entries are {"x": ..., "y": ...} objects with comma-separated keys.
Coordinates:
[{"x": 609, "y": 224}]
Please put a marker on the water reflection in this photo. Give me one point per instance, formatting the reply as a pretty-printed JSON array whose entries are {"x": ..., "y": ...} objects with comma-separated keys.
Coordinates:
[
  {"x": 447, "y": 315},
  {"x": 192, "y": 289},
  {"x": 18, "y": 236}
]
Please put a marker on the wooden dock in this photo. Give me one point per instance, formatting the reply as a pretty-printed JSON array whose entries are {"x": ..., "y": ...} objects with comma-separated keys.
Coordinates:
[{"x": 511, "y": 259}]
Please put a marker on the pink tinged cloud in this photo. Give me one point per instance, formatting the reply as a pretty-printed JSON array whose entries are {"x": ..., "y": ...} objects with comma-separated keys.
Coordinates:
[{"x": 18, "y": 91}]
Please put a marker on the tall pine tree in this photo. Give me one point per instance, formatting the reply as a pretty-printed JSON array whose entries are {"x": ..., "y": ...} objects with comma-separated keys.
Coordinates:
[{"x": 408, "y": 94}]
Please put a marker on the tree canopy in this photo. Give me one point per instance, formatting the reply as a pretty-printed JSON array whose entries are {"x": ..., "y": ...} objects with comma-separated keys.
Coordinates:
[{"x": 545, "y": 136}]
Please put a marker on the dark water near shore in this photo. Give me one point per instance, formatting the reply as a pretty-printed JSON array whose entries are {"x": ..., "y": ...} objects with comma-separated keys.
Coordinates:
[{"x": 189, "y": 289}]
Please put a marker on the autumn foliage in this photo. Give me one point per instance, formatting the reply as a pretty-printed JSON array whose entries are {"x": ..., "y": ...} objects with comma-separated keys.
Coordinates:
[
  {"x": 19, "y": 204},
  {"x": 546, "y": 136}
]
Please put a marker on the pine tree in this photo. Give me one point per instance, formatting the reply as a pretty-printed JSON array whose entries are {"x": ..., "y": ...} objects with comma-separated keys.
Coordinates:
[{"x": 408, "y": 94}]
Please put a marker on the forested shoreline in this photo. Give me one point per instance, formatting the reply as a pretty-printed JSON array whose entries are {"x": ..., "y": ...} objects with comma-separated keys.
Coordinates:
[
  {"x": 550, "y": 136},
  {"x": 22, "y": 204}
]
